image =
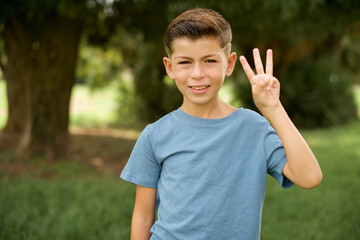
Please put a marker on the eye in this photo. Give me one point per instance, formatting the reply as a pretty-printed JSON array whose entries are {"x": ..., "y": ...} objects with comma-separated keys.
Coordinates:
[
  {"x": 184, "y": 62},
  {"x": 210, "y": 61}
]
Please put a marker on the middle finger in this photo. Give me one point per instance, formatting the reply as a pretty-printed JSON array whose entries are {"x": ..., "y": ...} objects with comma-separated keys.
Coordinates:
[{"x": 258, "y": 63}]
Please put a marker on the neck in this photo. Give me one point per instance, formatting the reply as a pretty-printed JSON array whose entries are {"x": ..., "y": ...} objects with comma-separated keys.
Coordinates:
[{"x": 217, "y": 109}]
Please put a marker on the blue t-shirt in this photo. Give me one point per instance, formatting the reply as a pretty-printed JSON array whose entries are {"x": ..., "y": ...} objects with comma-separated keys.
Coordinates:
[{"x": 210, "y": 174}]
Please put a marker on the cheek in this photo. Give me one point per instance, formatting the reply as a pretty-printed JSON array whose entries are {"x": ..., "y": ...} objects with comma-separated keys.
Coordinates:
[
  {"x": 219, "y": 74},
  {"x": 181, "y": 74},
  {"x": 181, "y": 86}
]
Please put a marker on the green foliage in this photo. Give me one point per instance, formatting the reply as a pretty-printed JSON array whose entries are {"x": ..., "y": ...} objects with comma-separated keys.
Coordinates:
[
  {"x": 98, "y": 66},
  {"x": 154, "y": 96},
  {"x": 110, "y": 80},
  {"x": 316, "y": 89},
  {"x": 351, "y": 52},
  {"x": 126, "y": 102},
  {"x": 36, "y": 13},
  {"x": 131, "y": 37},
  {"x": 318, "y": 92},
  {"x": 296, "y": 30},
  {"x": 108, "y": 106}
]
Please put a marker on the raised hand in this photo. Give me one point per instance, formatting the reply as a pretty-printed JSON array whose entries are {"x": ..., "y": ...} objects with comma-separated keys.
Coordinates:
[
  {"x": 301, "y": 167},
  {"x": 265, "y": 87}
]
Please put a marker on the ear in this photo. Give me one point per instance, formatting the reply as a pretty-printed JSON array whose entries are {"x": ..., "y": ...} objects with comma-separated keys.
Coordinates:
[
  {"x": 230, "y": 64},
  {"x": 168, "y": 67}
]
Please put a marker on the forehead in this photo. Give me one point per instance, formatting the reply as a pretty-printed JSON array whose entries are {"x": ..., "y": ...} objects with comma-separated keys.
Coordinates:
[{"x": 202, "y": 46}]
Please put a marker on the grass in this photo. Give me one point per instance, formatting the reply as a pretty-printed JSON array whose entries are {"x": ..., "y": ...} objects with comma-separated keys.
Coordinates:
[
  {"x": 65, "y": 208},
  {"x": 329, "y": 211},
  {"x": 357, "y": 96},
  {"x": 69, "y": 200},
  {"x": 79, "y": 205},
  {"x": 93, "y": 108},
  {"x": 3, "y": 104},
  {"x": 99, "y": 108},
  {"x": 88, "y": 108}
]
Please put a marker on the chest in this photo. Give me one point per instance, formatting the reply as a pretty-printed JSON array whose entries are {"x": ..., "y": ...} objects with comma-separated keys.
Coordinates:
[{"x": 213, "y": 156}]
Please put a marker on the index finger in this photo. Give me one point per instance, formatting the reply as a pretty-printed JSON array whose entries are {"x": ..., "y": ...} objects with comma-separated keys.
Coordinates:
[{"x": 247, "y": 69}]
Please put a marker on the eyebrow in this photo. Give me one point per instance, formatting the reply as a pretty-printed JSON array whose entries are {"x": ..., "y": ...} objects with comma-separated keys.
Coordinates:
[{"x": 206, "y": 56}]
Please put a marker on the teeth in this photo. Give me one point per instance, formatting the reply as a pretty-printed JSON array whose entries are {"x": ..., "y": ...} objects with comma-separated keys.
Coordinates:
[{"x": 199, "y": 88}]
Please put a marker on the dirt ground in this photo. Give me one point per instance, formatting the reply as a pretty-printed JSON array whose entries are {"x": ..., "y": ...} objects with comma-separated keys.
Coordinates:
[{"x": 103, "y": 150}]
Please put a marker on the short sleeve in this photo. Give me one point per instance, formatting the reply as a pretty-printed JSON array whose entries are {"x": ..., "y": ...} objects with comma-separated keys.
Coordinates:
[
  {"x": 142, "y": 168},
  {"x": 276, "y": 157}
]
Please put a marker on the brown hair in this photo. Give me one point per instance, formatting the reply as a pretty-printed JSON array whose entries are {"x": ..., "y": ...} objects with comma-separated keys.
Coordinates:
[{"x": 197, "y": 23}]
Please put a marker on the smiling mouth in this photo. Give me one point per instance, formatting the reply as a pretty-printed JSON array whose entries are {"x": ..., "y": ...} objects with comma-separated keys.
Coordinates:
[{"x": 199, "y": 87}]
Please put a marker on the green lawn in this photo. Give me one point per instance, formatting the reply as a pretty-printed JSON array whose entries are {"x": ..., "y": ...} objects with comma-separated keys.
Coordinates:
[
  {"x": 65, "y": 208},
  {"x": 329, "y": 211},
  {"x": 88, "y": 108},
  {"x": 79, "y": 203},
  {"x": 357, "y": 96},
  {"x": 3, "y": 104},
  {"x": 93, "y": 108}
]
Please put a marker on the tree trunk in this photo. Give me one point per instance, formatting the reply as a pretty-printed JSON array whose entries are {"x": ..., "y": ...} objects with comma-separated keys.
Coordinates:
[
  {"x": 47, "y": 77},
  {"x": 17, "y": 74}
]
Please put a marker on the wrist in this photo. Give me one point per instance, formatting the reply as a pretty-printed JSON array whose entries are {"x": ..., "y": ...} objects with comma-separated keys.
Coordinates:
[
  {"x": 271, "y": 109},
  {"x": 274, "y": 113}
]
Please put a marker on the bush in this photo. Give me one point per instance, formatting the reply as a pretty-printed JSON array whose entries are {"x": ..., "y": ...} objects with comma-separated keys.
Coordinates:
[
  {"x": 319, "y": 92},
  {"x": 316, "y": 92}
]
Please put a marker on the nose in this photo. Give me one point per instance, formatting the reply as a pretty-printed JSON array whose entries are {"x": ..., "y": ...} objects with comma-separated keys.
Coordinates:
[{"x": 197, "y": 71}]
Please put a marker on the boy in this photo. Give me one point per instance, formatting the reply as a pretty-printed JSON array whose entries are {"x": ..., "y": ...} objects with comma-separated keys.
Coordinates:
[{"x": 204, "y": 165}]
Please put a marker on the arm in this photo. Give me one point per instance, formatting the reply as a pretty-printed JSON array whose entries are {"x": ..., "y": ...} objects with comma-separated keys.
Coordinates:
[
  {"x": 301, "y": 168},
  {"x": 144, "y": 213}
]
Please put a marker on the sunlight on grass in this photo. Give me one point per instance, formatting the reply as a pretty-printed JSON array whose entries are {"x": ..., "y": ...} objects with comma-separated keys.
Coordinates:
[
  {"x": 99, "y": 108},
  {"x": 3, "y": 104},
  {"x": 129, "y": 134},
  {"x": 357, "y": 96},
  {"x": 88, "y": 108},
  {"x": 93, "y": 108}
]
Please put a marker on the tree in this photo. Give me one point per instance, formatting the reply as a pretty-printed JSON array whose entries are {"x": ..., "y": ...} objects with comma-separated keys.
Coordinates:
[
  {"x": 307, "y": 37},
  {"x": 44, "y": 77},
  {"x": 41, "y": 40},
  {"x": 296, "y": 30},
  {"x": 144, "y": 53}
]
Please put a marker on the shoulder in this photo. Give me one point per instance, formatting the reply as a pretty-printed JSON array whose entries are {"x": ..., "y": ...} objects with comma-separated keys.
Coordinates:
[
  {"x": 251, "y": 124},
  {"x": 252, "y": 118},
  {"x": 164, "y": 122},
  {"x": 163, "y": 127}
]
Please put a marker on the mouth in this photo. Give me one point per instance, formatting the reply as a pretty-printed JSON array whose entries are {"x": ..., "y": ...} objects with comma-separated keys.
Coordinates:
[{"x": 199, "y": 89}]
